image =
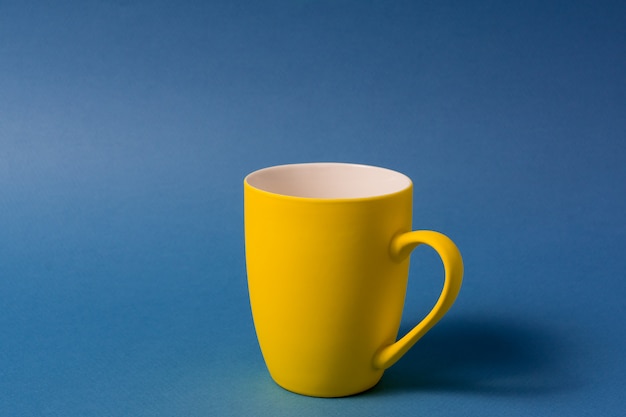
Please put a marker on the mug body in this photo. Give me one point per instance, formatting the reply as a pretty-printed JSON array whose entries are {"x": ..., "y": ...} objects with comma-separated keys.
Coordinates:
[{"x": 324, "y": 291}]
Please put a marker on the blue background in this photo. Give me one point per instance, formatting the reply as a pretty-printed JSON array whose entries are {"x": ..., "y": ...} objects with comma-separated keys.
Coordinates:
[{"x": 126, "y": 129}]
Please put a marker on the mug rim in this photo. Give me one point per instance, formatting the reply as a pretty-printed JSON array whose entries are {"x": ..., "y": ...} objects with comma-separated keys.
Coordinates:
[{"x": 271, "y": 180}]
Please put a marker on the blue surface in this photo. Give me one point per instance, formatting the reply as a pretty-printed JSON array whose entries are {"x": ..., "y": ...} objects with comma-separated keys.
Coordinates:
[{"x": 126, "y": 129}]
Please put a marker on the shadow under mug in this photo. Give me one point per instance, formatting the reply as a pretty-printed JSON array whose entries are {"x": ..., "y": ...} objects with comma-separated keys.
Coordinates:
[{"x": 327, "y": 257}]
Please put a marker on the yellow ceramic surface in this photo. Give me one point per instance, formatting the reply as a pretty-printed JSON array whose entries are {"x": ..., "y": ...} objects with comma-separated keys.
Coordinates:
[{"x": 327, "y": 252}]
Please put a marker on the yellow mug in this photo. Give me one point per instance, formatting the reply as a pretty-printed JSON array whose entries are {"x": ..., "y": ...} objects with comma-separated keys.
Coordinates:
[{"x": 327, "y": 256}]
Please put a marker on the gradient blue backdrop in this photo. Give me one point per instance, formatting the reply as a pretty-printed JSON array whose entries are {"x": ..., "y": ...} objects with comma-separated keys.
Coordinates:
[{"x": 126, "y": 128}]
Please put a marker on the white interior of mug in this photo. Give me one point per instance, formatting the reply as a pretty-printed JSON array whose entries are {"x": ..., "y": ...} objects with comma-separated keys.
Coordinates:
[{"x": 328, "y": 180}]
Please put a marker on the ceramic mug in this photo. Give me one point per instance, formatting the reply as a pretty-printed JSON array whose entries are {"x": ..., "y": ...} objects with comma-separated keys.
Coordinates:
[{"x": 327, "y": 257}]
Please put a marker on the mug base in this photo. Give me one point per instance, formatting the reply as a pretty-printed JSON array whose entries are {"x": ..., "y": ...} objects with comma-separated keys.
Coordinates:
[{"x": 326, "y": 392}]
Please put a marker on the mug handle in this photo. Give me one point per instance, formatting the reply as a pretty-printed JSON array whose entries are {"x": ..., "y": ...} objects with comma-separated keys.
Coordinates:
[{"x": 401, "y": 247}]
